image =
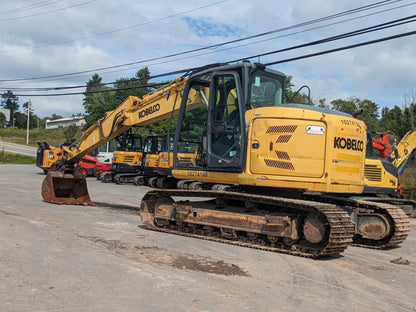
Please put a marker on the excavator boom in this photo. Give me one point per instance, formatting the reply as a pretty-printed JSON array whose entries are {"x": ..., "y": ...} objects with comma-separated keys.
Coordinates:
[
  {"x": 62, "y": 185},
  {"x": 403, "y": 151}
]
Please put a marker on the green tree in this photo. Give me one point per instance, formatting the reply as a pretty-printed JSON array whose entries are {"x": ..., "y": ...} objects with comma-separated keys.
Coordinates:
[
  {"x": 96, "y": 104},
  {"x": 322, "y": 103},
  {"x": 346, "y": 106},
  {"x": 93, "y": 85},
  {"x": 2, "y": 120},
  {"x": 140, "y": 80},
  {"x": 370, "y": 113},
  {"x": 20, "y": 120},
  {"x": 55, "y": 116},
  {"x": 406, "y": 123},
  {"x": 11, "y": 102},
  {"x": 391, "y": 120},
  {"x": 295, "y": 96},
  {"x": 70, "y": 133},
  {"x": 370, "y": 110},
  {"x": 32, "y": 117}
]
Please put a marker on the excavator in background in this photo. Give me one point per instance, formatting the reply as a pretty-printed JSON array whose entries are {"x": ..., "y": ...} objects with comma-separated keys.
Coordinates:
[
  {"x": 48, "y": 155},
  {"x": 381, "y": 174},
  {"x": 163, "y": 178},
  {"x": 256, "y": 156},
  {"x": 128, "y": 159},
  {"x": 403, "y": 151},
  {"x": 153, "y": 146},
  {"x": 87, "y": 166},
  {"x": 136, "y": 165}
]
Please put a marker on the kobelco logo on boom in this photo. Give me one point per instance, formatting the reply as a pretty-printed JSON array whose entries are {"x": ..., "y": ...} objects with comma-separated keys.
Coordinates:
[
  {"x": 350, "y": 144},
  {"x": 149, "y": 110}
]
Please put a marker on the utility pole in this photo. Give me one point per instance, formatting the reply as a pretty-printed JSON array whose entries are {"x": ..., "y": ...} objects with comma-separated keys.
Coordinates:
[{"x": 28, "y": 115}]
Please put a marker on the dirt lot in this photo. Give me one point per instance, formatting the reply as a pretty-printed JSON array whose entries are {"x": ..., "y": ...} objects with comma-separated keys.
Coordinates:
[{"x": 76, "y": 258}]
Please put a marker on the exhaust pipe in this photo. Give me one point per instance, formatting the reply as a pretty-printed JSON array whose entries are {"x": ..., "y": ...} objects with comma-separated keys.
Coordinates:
[{"x": 65, "y": 188}]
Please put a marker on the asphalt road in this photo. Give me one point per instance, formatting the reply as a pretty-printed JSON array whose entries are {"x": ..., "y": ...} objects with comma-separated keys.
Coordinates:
[
  {"x": 78, "y": 258},
  {"x": 18, "y": 148}
]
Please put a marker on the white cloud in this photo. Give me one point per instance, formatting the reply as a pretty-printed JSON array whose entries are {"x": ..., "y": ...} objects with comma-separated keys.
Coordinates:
[{"x": 382, "y": 73}]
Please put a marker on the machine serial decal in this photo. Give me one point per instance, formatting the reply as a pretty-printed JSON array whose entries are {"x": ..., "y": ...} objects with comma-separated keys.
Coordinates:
[
  {"x": 349, "y": 144},
  {"x": 148, "y": 111},
  {"x": 347, "y": 122},
  {"x": 197, "y": 174}
]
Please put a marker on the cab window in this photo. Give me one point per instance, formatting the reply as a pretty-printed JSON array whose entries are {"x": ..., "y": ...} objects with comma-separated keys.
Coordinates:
[{"x": 265, "y": 91}]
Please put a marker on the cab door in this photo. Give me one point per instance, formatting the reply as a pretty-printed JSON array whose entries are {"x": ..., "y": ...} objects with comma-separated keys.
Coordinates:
[{"x": 224, "y": 130}]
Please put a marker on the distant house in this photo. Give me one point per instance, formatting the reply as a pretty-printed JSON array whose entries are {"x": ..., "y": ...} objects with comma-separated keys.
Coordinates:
[{"x": 78, "y": 121}]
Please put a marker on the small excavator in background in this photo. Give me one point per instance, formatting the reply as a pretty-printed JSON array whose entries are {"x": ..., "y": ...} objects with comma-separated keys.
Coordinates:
[
  {"x": 256, "y": 157},
  {"x": 381, "y": 174},
  {"x": 127, "y": 159},
  {"x": 162, "y": 173},
  {"x": 48, "y": 155},
  {"x": 153, "y": 146}
]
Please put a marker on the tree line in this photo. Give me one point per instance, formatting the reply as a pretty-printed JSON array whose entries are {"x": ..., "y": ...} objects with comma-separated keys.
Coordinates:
[
  {"x": 18, "y": 114},
  {"x": 99, "y": 98}
]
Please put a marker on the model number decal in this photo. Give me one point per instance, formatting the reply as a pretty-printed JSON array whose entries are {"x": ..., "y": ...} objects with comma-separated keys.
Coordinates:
[
  {"x": 349, "y": 144},
  {"x": 197, "y": 174},
  {"x": 148, "y": 111}
]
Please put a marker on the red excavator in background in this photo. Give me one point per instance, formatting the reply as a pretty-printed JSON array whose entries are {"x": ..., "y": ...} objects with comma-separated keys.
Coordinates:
[{"x": 382, "y": 145}]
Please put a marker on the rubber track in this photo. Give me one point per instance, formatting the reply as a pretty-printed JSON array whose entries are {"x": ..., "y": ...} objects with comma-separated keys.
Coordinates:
[
  {"x": 397, "y": 202},
  {"x": 401, "y": 222},
  {"x": 401, "y": 225},
  {"x": 122, "y": 175},
  {"x": 340, "y": 237}
]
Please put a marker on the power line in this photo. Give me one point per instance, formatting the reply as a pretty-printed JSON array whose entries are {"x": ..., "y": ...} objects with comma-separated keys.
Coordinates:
[
  {"x": 357, "y": 32},
  {"x": 30, "y": 7},
  {"x": 237, "y": 46},
  {"x": 352, "y": 46},
  {"x": 267, "y": 64},
  {"x": 348, "y": 12},
  {"x": 43, "y": 13},
  {"x": 394, "y": 23},
  {"x": 114, "y": 31}
]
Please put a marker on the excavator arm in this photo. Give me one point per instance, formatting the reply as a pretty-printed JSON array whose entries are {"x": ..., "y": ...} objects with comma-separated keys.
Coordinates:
[
  {"x": 133, "y": 111},
  {"x": 62, "y": 185},
  {"x": 402, "y": 153}
]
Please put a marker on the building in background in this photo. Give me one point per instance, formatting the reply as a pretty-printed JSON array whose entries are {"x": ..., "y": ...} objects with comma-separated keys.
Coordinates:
[{"x": 78, "y": 121}]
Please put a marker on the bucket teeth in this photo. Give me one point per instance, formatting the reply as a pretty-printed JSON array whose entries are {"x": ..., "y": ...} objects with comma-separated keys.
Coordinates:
[{"x": 65, "y": 188}]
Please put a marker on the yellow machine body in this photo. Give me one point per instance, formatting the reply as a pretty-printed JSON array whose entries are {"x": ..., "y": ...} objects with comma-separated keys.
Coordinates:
[
  {"x": 134, "y": 159},
  {"x": 381, "y": 176},
  {"x": 48, "y": 156},
  {"x": 301, "y": 148},
  {"x": 377, "y": 179},
  {"x": 400, "y": 155},
  {"x": 279, "y": 145}
]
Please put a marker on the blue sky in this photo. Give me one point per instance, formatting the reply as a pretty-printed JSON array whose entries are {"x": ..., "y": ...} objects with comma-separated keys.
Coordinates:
[
  {"x": 76, "y": 35},
  {"x": 208, "y": 27}
]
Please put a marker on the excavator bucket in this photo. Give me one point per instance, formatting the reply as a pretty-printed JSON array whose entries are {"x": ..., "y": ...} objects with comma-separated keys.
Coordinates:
[{"x": 65, "y": 188}]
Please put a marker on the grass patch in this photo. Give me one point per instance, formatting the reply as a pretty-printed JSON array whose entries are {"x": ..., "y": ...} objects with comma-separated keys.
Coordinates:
[
  {"x": 18, "y": 136},
  {"x": 408, "y": 179},
  {"x": 10, "y": 158}
]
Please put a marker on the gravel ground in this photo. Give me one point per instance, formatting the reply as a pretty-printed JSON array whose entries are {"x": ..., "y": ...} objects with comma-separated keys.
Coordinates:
[{"x": 77, "y": 258}]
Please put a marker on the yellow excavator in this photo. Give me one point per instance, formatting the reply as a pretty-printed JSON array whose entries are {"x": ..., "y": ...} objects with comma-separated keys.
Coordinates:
[
  {"x": 381, "y": 174},
  {"x": 127, "y": 160},
  {"x": 162, "y": 171},
  {"x": 256, "y": 156}
]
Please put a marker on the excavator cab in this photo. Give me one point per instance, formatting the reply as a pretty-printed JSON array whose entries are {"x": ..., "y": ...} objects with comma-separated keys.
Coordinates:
[{"x": 212, "y": 114}]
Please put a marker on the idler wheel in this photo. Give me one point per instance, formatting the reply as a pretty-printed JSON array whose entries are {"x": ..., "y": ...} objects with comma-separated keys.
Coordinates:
[{"x": 314, "y": 230}]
